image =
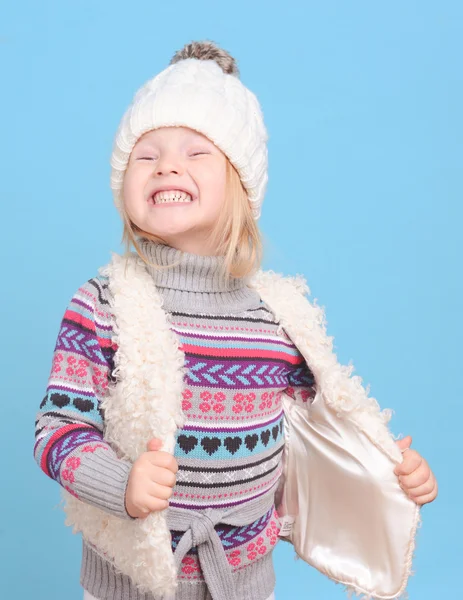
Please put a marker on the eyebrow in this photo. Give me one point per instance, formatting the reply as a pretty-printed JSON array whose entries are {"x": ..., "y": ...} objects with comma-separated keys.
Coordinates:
[{"x": 198, "y": 139}]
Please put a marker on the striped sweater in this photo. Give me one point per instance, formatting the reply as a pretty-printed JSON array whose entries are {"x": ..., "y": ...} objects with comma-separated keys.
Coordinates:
[{"x": 229, "y": 450}]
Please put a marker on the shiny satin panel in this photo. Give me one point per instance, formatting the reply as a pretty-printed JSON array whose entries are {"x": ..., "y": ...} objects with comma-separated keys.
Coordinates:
[{"x": 353, "y": 522}]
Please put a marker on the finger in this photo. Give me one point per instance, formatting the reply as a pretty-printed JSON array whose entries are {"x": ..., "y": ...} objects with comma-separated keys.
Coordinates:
[
  {"x": 429, "y": 481},
  {"x": 418, "y": 477},
  {"x": 147, "y": 504},
  {"x": 426, "y": 498},
  {"x": 154, "y": 444},
  {"x": 162, "y": 476},
  {"x": 156, "y": 504},
  {"x": 143, "y": 513},
  {"x": 137, "y": 510},
  {"x": 412, "y": 460},
  {"x": 405, "y": 442},
  {"x": 156, "y": 491},
  {"x": 163, "y": 459},
  {"x": 422, "y": 490},
  {"x": 153, "y": 505}
]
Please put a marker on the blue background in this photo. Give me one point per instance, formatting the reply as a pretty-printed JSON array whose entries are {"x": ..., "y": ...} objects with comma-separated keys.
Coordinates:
[{"x": 362, "y": 101}]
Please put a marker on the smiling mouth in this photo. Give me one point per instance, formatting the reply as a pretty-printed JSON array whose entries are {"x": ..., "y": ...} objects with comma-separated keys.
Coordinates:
[{"x": 171, "y": 197}]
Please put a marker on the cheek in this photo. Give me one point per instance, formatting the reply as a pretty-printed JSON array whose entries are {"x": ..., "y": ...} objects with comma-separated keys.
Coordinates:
[
  {"x": 213, "y": 184},
  {"x": 132, "y": 189},
  {"x": 128, "y": 184}
]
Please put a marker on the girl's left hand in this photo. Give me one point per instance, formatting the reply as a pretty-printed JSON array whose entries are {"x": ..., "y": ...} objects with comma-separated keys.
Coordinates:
[{"x": 415, "y": 477}]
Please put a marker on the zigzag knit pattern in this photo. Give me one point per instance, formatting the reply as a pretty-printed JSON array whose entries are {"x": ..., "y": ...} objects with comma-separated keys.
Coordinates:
[{"x": 229, "y": 450}]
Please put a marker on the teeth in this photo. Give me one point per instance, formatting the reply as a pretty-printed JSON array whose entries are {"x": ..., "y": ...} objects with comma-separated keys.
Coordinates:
[{"x": 171, "y": 196}]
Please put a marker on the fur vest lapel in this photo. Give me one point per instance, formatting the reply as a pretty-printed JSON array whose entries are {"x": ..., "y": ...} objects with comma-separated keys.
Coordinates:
[{"x": 339, "y": 451}]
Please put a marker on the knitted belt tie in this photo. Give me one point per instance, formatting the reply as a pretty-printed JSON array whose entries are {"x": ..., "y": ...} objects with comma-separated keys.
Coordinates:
[{"x": 199, "y": 532}]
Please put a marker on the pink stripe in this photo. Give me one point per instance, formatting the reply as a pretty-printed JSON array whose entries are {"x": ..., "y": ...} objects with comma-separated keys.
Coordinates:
[
  {"x": 232, "y": 338},
  {"x": 56, "y": 436},
  {"x": 242, "y": 353},
  {"x": 225, "y": 505}
]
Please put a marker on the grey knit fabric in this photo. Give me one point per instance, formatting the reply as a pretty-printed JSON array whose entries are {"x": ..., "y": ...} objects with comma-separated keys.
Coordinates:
[
  {"x": 193, "y": 286},
  {"x": 102, "y": 479},
  {"x": 256, "y": 582}
]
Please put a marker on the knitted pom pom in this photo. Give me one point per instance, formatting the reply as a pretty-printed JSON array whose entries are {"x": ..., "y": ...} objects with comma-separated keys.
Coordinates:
[{"x": 208, "y": 50}]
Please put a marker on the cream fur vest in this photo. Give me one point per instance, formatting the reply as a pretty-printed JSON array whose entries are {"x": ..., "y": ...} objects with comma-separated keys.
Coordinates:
[{"x": 340, "y": 502}]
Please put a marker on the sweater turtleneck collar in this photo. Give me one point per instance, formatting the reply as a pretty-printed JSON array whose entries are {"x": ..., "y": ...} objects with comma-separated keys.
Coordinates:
[{"x": 196, "y": 283}]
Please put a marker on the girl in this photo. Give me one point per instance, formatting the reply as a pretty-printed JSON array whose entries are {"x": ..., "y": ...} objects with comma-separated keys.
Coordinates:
[{"x": 180, "y": 369}]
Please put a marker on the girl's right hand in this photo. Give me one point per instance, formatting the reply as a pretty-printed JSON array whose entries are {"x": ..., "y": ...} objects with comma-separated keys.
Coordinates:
[{"x": 150, "y": 481}]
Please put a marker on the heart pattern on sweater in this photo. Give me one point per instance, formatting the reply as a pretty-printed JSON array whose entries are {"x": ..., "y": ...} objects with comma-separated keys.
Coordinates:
[
  {"x": 232, "y": 444},
  {"x": 187, "y": 442},
  {"x": 265, "y": 436},
  {"x": 211, "y": 444},
  {"x": 251, "y": 441}
]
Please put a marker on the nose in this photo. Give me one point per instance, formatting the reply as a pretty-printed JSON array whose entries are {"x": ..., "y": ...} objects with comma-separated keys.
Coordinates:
[{"x": 168, "y": 164}]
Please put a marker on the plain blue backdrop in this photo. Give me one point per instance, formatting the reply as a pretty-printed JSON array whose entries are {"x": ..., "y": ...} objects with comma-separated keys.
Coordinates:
[{"x": 363, "y": 102}]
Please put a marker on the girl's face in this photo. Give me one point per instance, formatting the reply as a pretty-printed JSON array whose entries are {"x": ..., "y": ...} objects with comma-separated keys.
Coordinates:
[{"x": 174, "y": 186}]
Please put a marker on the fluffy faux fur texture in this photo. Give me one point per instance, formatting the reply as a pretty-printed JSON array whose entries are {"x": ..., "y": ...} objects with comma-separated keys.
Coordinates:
[
  {"x": 146, "y": 403},
  {"x": 305, "y": 323},
  {"x": 208, "y": 50}
]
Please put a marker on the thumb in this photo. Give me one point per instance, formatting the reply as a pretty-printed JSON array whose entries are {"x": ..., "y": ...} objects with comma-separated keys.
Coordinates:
[
  {"x": 405, "y": 442},
  {"x": 154, "y": 444}
]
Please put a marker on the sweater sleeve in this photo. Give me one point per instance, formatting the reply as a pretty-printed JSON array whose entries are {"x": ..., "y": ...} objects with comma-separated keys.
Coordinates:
[{"x": 69, "y": 443}]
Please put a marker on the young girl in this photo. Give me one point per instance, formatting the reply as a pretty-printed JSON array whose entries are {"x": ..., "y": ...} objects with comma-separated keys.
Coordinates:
[{"x": 174, "y": 380}]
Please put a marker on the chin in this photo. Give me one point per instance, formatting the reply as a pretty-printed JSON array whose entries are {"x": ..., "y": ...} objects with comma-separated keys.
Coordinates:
[{"x": 167, "y": 232}]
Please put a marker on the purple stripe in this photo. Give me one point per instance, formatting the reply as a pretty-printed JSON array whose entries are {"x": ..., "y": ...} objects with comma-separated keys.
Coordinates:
[
  {"x": 233, "y": 338},
  {"x": 225, "y": 505},
  {"x": 285, "y": 365},
  {"x": 211, "y": 377},
  {"x": 233, "y": 429},
  {"x": 89, "y": 307},
  {"x": 63, "y": 388},
  {"x": 67, "y": 444},
  {"x": 76, "y": 340},
  {"x": 230, "y": 535},
  {"x": 238, "y": 536}
]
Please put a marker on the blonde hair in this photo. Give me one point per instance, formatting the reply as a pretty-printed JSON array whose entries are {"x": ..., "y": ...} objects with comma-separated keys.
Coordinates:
[{"x": 236, "y": 235}]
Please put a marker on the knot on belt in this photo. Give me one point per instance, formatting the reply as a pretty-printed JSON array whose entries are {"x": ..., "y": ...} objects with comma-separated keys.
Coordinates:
[
  {"x": 202, "y": 529},
  {"x": 199, "y": 531}
]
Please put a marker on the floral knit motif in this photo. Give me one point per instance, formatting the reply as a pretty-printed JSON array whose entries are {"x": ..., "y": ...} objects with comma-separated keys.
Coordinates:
[
  {"x": 229, "y": 450},
  {"x": 230, "y": 447}
]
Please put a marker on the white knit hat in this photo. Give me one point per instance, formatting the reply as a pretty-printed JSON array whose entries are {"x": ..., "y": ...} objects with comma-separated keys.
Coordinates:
[{"x": 200, "y": 90}]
